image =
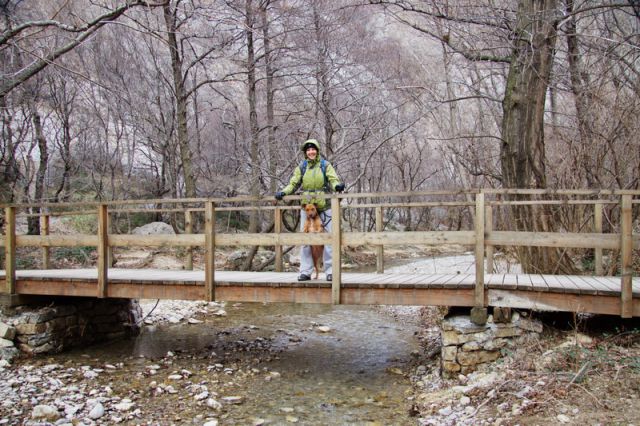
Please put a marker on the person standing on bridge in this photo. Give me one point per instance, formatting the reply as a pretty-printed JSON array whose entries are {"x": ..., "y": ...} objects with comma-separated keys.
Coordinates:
[{"x": 315, "y": 175}]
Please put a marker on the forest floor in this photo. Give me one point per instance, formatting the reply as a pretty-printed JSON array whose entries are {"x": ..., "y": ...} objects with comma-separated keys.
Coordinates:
[{"x": 582, "y": 369}]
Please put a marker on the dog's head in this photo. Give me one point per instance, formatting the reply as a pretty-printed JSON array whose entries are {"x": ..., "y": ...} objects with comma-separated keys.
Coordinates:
[{"x": 311, "y": 210}]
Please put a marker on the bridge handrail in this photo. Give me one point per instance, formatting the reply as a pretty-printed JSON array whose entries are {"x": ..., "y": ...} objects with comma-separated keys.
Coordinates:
[
  {"x": 346, "y": 196},
  {"x": 482, "y": 237}
]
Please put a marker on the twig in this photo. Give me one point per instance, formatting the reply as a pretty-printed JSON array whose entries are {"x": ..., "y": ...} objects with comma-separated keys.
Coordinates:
[
  {"x": 486, "y": 401},
  {"x": 579, "y": 376}
]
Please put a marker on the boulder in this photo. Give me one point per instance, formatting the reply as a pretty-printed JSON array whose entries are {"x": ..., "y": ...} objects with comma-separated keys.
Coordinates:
[{"x": 154, "y": 228}]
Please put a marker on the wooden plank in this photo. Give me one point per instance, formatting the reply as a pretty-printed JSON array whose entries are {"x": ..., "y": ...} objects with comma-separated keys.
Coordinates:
[
  {"x": 209, "y": 251},
  {"x": 290, "y": 239},
  {"x": 380, "y": 247},
  {"x": 77, "y": 240},
  {"x": 552, "y": 301},
  {"x": 569, "y": 285},
  {"x": 553, "y": 284},
  {"x": 479, "y": 251},
  {"x": 510, "y": 282},
  {"x": 553, "y": 239},
  {"x": 538, "y": 282},
  {"x": 277, "y": 229},
  {"x": 103, "y": 249},
  {"x": 600, "y": 287},
  {"x": 188, "y": 229},
  {"x": 626, "y": 249},
  {"x": 180, "y": 240},
  {"x": 488, "y": 220},
  {"x": 10, "y": 250},
  {"x": 597, "y": 228},
  {"x": 336, "y": 242},
  {"x": 44, "y": 230},
  {"x": 494, "y": 280},
  {"x": 415, "y": 237},
  {"x": 111, "y": 260}
]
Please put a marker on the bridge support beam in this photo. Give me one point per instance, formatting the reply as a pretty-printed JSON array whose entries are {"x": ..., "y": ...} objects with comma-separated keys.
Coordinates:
[
  {"x": 209, "y": 251},
  {"x": 103, "y": 250},
  {"x": 336, "y": 242},
  {"x": 626, "y": 248},
  {"x": 10, "y": 250},
  {"x": 479, "y": 312}
]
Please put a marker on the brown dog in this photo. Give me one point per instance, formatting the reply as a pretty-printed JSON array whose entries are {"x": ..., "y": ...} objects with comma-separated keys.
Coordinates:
[{"x": 313, "y": 223}]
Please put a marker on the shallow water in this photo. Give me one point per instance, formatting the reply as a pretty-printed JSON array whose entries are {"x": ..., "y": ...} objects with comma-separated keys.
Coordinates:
[{"x": 356, "y": 373}]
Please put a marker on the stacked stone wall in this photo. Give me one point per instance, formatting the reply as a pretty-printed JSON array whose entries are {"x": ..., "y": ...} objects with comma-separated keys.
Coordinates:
[
  {"x": 64, "y": 324},
  {"x": 467, "y": 347}
]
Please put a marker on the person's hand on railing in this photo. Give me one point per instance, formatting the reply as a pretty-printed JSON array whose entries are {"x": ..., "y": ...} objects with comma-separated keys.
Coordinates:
[
  {"x": 340, "y": 187},
  {"x": 279, "y": 195}
]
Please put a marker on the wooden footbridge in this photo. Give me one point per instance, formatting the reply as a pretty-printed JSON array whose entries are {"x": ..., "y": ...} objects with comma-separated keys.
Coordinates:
[{"x": 579, "y": 217}]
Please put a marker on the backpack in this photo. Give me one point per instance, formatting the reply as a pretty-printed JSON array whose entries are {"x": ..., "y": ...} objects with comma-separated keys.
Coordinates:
[{"x": 323, "y": 167}]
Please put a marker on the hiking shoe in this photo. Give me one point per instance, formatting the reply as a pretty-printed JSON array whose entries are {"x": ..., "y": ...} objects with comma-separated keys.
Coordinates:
[
  {"x": 304, "y": 277},
  {"x": 329, "y": 277}
]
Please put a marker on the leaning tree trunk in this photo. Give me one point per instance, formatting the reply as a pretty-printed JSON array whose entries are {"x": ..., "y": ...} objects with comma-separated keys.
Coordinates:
[{"x": 522, "y": 152}]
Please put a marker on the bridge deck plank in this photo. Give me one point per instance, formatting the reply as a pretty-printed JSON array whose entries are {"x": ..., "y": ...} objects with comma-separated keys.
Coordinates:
[{"x": 521, "y": 282}]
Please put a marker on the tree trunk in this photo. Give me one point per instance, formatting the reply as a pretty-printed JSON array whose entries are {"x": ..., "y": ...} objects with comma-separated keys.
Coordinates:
[
  {"x": 271, "y": 130},
  {"x": 254, "y": 182},
  {"x": 34, "y": 222},
  {"x": 181, "y": 102},
  {"x": 586, "y": 157},
  {"x": 522, "y": 151},
  {"x": 323, "y": 89}
]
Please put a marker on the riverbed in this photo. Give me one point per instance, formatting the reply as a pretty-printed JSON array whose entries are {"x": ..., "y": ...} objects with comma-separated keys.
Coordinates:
[{"x": 230, "y": 364}]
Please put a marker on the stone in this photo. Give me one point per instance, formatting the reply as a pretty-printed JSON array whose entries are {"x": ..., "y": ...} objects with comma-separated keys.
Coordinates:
[
  {"x": 501, "y": 315},
  {"x": 507, "y": 331},
  {"x": 45, "y": 412},
  {"x": 449, "y": 353},
  {"x": 479, "y": 315},
  {"x": 530, "y": 325},
  {"x": 233, "y": 399},
  {"x": 4, "y": 343},
  {"x": 477, "y": 357},
  {"x": 154, "y": 228},
  {"x": 213, "y": 404},
  {"x": 31, "y": 328},
  {"x": 7, "y": 332},
  {"x": 451, "y": 367},
  {"x": 471, "y": 346},
  {"x": 97, "y": 411}
]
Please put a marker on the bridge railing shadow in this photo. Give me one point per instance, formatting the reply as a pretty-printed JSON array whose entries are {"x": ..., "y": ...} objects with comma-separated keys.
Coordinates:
[{"x": 604, "y": 222}]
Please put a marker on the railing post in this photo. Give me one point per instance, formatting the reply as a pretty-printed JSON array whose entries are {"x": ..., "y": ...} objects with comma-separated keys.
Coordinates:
[
  {"x": 209, "y": 251},
  {"x": 479, "y": 310},
  {"x": 44, "y": 231},
  {"x": 380, "y": 248},
  {"x": 103, "y": 248},
  {"x": 488, "y": 224},
  {"x": 111, "y": 259},
  {"x": 626, "y": 247},
  {"x": 597, "y": 228},
  {"x": 10, "y": 250},
  {"x": 277, "y": 228},
  {"x": 188, "y": 229},
  {"x": 336, "y": 242}
]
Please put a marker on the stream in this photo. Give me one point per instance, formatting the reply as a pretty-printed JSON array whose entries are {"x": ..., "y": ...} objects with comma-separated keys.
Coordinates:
[{"x": 256, "y": 364}]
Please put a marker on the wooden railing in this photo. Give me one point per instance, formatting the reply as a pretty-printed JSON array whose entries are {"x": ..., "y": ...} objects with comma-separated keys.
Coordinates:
[{"x": 482, "y": 235}]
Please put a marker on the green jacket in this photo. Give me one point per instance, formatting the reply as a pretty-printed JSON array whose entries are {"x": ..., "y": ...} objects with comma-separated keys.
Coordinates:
[{"x": 313, "y": 180}]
